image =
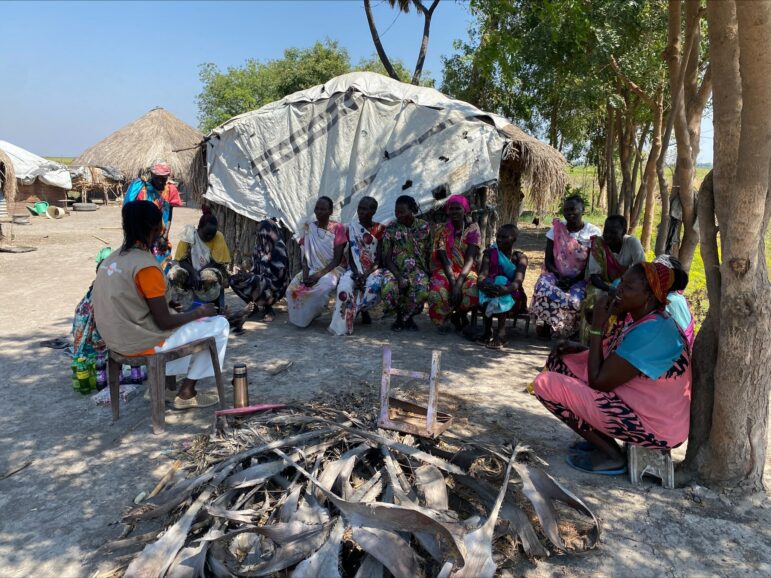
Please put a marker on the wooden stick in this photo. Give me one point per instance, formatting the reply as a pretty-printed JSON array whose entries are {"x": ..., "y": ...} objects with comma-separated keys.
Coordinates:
[
  {"x": 100, "y": 239},
  {"x": 166, "y": 478}
]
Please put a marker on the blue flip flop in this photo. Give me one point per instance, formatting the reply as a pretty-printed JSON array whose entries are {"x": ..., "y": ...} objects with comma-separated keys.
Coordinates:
[{"x": 583, "y": 463}]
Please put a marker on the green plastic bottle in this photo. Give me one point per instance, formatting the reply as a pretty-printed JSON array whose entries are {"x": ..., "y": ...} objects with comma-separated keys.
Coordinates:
[
  {"x": 91, "y": 373},
  {"x": 75, "y": 380},
  {"x": 83, "y": 376}
]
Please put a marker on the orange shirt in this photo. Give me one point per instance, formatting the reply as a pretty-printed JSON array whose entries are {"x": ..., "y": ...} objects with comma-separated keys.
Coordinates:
[{"x": 150, "y": 284}]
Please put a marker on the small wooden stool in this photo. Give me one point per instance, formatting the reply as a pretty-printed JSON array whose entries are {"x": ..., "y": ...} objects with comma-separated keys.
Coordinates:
[
  {"x": 156, "y": 373},
  {"x": 657, "y": 463}
]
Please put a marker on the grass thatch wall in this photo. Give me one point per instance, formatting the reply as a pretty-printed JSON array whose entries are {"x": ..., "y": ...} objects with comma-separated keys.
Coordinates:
[
  {"x": 7, "y": 179},
  {"x": 39, "y": 191},
  {"x": 157, "y": 135}
]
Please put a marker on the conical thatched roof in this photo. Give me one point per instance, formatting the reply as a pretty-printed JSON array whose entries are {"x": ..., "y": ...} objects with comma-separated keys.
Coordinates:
[
  {"x": 157, "y": 135},
  {"x": 7, "y": 177}
]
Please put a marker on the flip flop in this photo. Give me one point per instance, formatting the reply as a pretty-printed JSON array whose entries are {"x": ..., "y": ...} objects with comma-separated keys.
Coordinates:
[
  {"x": 201, "y": 399},
  {"x": 583, "y": 463},
  {"x": 58, "y": 343}
]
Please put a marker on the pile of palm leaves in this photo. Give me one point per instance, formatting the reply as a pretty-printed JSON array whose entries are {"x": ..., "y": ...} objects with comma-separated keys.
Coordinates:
[{"x": 310, "y": 491}]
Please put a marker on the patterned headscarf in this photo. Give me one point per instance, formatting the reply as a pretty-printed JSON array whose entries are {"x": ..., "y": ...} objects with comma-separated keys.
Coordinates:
[
  {"x": 660, "y": 278},
  {"x": 161, "y": 169},
  {"x": 463, "y": 202}
]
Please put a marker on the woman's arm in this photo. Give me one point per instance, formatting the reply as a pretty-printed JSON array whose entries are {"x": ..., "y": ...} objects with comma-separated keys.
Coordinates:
[
  {"x": 168, "y": 321},
  {"x": 550, "y": 265},
  {"x": 337, "y": 258},
  {"x": 446, "y": 266},
  {"x": 605, "y": 374},
  {"x": 519, "y": 275},
  {"x": 597, "y": 281}
]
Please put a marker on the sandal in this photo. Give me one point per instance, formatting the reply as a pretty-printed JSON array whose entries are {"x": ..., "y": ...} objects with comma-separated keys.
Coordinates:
[
  {"x": 201, "y": 399},
  {"x": 582, "y": 462},
  {"x": 495, "y": 343}
]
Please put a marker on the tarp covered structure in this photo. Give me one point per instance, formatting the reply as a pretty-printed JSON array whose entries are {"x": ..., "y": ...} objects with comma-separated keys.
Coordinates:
[
  {"x": 30, "y": 167},
  {"x": 365, "y": 134}
]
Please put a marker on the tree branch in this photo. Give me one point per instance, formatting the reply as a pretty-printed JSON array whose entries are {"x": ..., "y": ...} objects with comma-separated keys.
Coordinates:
[
  {"x": 632, "y": 86},
  {"x": 427, "y": 14},
  {"x": 379, "y": 45}
]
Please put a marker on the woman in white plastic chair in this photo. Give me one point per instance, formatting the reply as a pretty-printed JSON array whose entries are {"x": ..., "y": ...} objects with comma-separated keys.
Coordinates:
[{"x": 134, "y": 318}]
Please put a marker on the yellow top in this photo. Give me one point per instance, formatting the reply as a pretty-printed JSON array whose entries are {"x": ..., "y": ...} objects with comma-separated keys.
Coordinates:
[{"x": 218, "y": 247}]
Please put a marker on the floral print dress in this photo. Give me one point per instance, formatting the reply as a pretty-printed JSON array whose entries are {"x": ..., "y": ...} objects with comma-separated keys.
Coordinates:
[
  {"x": 409, "y": 248},
  {"x": 439, "y": 294}
]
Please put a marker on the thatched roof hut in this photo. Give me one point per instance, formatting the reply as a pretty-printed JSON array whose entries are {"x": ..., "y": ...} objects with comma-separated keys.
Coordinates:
[
  {"x": 366, "y": 134},
  {"x": 7, "y": 178},
  {"x": 157, "y": 135}
]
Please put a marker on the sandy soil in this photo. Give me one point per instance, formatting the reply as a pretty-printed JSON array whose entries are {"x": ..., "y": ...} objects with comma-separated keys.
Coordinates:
[{"x": 84, "y": 470}]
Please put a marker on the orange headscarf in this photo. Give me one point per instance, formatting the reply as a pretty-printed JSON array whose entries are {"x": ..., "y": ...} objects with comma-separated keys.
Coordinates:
[{"x": 660, "y": 278}]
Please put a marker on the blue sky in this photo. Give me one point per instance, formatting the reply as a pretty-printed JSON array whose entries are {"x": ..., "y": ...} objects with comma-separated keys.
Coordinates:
[{"x": 73, "y": 72}]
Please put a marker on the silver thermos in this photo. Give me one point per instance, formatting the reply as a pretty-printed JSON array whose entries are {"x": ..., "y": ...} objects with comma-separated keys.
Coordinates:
[{"x": 240, "y": 386}]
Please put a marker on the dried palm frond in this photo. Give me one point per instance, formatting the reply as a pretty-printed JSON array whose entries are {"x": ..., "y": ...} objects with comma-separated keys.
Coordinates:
[{"x": 318, "y": 490}]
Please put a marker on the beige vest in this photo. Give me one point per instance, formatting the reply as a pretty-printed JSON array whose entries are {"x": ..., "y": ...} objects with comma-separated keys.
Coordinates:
[{"x": 120, "y": 311}]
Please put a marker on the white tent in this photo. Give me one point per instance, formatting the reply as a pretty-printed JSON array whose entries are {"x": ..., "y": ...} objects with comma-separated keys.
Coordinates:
[
  {"x": 28, "y": 167},
  {"x": 358, "y": 134}
]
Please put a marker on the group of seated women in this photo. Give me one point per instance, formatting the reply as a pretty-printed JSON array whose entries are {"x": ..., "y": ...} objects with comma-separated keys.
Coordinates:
[
  {"x": 630, "y": 381},
  {"x": 403, "y": 266}
]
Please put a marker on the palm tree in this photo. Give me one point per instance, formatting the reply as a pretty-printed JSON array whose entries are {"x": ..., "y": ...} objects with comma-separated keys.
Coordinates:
[{"x": 403, "y": 6}]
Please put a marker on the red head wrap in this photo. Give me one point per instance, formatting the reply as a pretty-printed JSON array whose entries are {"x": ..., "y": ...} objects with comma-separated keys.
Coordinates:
[{"x": 660, "y": 278}]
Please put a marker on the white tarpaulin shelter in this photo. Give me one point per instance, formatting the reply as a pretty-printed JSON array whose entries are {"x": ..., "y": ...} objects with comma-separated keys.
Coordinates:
[
  {"x": 28, "y": 167},
  {"x": 358, "y": 134}
]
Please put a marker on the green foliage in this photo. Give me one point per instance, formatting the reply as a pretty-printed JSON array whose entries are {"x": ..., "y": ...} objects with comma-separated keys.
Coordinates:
[
  {"x": 545, "y": 63},
  {"x": 243, "y": 88}
]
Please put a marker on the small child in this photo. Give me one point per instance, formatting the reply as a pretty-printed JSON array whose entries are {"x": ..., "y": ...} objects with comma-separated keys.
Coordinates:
[{"x": 500, "y": 285}]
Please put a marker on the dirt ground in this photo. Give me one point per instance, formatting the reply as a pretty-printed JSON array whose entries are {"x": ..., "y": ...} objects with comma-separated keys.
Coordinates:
[{"x": 82, "y": 470}]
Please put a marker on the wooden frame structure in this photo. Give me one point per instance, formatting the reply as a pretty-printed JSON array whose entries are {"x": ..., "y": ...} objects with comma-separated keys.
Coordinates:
[{"x": 397, "y": 414}]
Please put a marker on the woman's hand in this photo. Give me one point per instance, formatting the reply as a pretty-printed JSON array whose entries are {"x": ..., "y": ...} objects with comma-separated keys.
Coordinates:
[
  {"x": 206, "y": 310},
  {"x": 602, "y": 312},
  {"x": 456, "y": 292},
  {"x": 566, "y": 347},
  {"x": 175, "y": 306},
  {"x": 312, "y": 280}
]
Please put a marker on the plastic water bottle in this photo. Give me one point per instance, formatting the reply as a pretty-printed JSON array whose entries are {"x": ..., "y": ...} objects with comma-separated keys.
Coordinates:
[
  {"x": 83, "y": 375},
  {"x": 75, "y": 380},
  {"x": 91, "y": 373}
]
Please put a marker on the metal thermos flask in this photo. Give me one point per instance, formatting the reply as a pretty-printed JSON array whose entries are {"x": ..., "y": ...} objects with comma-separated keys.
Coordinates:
[{"x": 240, "y": 386}]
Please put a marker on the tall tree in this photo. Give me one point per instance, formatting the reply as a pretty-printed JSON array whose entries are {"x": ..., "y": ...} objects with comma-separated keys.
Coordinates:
[
  {"x": 732, "y": 354},
  {"x": 691, "y": 86},
  {"x": 404, "y": 7}
]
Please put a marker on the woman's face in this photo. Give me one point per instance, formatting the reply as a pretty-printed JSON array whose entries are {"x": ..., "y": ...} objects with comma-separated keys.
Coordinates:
[
  {"x": 572, "y": 211},
  {"x": 633, "y": 291},
  {"x": 365, "y": 211},
  {"x": 613, "y": 234},
  {"x": 403, "y": 214},
  {"x": 456, "y": 212},
  {"x": 207, "y": 232},
  {"x": 505, "y": 239},
  {"x": 155, "y": 233},
  {"x": 159, "y": 182},
  {"x": 323, "y": 210}
]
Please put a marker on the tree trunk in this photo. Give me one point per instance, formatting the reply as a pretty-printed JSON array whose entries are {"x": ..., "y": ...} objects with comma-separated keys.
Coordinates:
[
  {"x": 378, "y": 44},
  {"x": 553, "y": 123},
  {"x": 650, "y": 172},
  {"x": 626, "y": 133},
  {"x": 639, "y": 197},
  {"x": 688, "y": 101},
  {"x": 661, "y": 233},
  {"x": 427, "y": 14},
  {"x": 734, "y": 453},
  {"x": 610, "y": 170}
]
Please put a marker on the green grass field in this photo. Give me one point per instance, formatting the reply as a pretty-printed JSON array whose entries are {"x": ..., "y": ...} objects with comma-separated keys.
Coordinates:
[
  {"x": 583, "y": 179},
  {"x": 63, "y": 160}
]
